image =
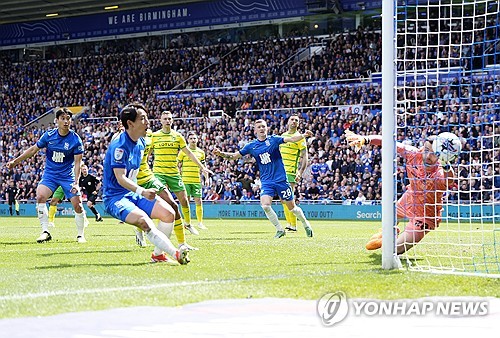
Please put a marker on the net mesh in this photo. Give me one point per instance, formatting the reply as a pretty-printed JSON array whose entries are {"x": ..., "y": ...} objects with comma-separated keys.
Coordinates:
[{"x": 448, "y": 80}]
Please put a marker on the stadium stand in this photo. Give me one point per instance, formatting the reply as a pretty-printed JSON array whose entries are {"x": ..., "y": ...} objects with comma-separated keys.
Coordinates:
[{"x": 246, "y": 80}]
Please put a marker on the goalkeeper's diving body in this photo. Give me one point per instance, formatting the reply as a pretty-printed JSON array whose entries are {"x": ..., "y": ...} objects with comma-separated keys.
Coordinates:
[{"x": 421, "y": 203}]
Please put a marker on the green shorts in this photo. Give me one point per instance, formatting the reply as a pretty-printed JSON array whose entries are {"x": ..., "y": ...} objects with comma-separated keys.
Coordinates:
[
  {"x": 174, "y": 183},
  {"x": 290, "y": 178},
  {"x": 59, "y": 193},
  {"x": 154, "y": 183},
  {"x": 193, "y": 189}
]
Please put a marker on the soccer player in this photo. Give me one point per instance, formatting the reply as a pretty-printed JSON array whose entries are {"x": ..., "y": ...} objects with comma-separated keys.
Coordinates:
[
  {"x": 58, "y": 197},
  {"x": 191, "y": 175},
  {"x": 11, "y": 195},
  {"x": 62, "y": 168},
  {"x": 421, "y": 203},
  {"x": 265, "y": 150},
  {"x": 122, "y": 197},
  {"x": 295, "y": 159},
  {"x": 139, "y": 234},
  {"x": 147, "y": 179},
  {"x": 166, "y": 144},
  {"x": 90, "y": 186}
]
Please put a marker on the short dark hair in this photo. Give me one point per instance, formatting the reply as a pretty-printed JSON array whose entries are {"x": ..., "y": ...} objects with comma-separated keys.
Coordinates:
[
  {"x": 62, "y": 111},
  {"x": 191, "y": 133},
  {"x": 129, "y": 113}
]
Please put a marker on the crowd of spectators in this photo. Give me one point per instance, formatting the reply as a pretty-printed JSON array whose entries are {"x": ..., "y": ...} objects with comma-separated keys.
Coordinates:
[{"x": 103, "y": 82}]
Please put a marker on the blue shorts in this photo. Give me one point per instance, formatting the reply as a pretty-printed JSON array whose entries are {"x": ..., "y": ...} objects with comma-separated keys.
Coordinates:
[
  {"x": 120, "y": 207},
  {"x": 66, "y": 184},
  {"x": 283, "y": 189}
]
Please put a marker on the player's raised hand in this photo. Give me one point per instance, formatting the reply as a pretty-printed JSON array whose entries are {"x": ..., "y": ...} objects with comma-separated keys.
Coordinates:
[
  {"x": 207, "y": 171},
  {"x": 10, "y": 164},
  {"x": 217, "y": 152},
  {"x": 150, "y": 193},
  {"x": 308, "y": 133},
  {"x": 355, "y": 140}
]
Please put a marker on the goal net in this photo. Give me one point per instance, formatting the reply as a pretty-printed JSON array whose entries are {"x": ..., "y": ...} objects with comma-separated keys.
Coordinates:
[{"x": 447, "y": 79}]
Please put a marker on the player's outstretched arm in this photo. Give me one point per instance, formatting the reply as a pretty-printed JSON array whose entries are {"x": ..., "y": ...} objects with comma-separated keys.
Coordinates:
[
  {"x": 26, "y": 154},
  {"x": 227, "y": 155},
  {"x": 448, "y": 171},
  {"x": 358, "y": 141},
  {"x": 299, "y": 137},
  {"x": 179, "y": 165},
  {"x": 355, "y": 140},
  {"x": 304, "y": 159},
  {"x": 193, "y": 158}
]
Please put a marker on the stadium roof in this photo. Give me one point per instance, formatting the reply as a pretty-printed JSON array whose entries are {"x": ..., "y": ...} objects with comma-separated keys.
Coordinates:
[{"x": 33, "y": 10}]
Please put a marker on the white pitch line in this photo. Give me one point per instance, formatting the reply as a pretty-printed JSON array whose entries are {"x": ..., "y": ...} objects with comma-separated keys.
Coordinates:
[
  {"x": 101, "y": 290},
  {"x": 64, "y": 250},
  {"x": 143, "y": 287}
]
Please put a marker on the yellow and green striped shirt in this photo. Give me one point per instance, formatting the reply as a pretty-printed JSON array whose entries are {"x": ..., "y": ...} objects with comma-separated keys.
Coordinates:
[
  {"x": 290, "y": 152},
  {"x": 166, "y": 148},
  {"x": 190, "y": 170},
  {"x": 145, "y": 173}
]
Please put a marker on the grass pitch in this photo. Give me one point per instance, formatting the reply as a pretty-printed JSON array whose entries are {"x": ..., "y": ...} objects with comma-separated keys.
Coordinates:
[{"x": 237, "y": 259}]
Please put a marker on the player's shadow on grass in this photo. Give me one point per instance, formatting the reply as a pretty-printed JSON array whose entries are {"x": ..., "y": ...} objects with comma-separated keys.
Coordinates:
[
  {"x": 84, "y": 252},
  {"x": 60, "y": 241},
  {"x": 113, "y": 235},
  {"x": 248, "y": 232},
  {"x": 228, "y": 239},
  {"x": 376, "y": 259},
  {"x": 16, "y": 243},
  {"x": 65, "y": 266},
  {"x": 308, "y": 264}
]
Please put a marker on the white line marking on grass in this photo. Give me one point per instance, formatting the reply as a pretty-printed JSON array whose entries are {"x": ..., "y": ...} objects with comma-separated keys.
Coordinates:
[
  {"x": 146, "y": 287},
  {"x": 74, "y": 247}
]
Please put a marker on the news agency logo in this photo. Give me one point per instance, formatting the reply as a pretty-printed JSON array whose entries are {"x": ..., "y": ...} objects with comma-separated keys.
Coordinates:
[{"x": 333, "y": 308}]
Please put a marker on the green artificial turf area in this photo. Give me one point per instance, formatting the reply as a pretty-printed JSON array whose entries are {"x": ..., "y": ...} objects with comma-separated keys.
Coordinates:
[{"x": 236, "y": 259}]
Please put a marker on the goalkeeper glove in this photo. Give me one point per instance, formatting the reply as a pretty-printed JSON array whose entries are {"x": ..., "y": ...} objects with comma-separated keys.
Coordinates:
[
  {"x": 355, "y": 140},
  {"x": 445, "y": 164}
]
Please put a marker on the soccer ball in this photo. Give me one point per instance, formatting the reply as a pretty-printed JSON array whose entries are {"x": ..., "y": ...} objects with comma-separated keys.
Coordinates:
[{"x": 447, "y": 146}]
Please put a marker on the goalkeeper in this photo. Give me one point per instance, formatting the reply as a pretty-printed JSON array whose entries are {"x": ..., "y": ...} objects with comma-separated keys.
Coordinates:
[{"x": 422, "y": 202}]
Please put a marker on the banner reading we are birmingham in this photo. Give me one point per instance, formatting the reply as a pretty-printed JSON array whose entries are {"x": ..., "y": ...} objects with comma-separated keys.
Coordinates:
[{"x": 175, "y": 17}]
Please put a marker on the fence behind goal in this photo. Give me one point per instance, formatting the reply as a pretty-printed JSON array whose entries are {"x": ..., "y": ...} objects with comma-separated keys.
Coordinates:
[{"x": 446, "y": 75}]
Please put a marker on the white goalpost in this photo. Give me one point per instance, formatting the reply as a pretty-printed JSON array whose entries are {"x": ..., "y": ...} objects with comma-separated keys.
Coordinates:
[
  {"x": 390, "y": 260},
  {"x": 441, "y": 73}
]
